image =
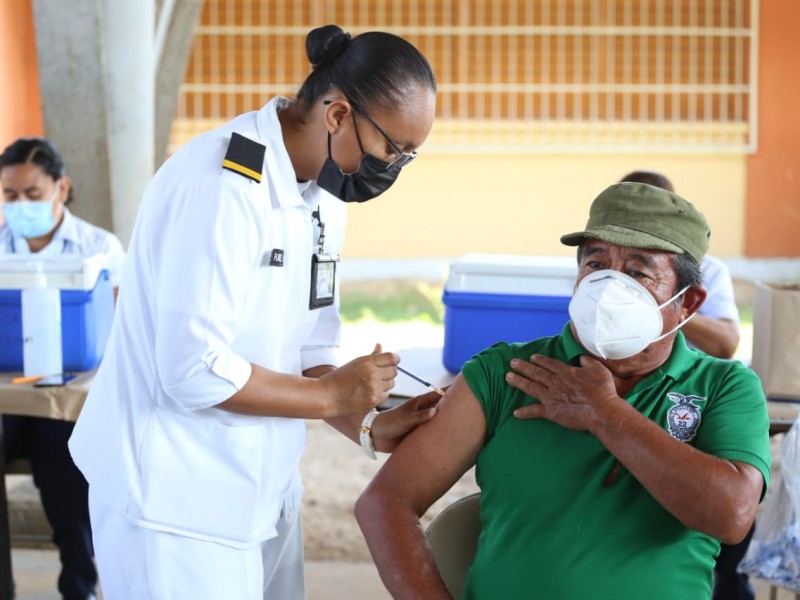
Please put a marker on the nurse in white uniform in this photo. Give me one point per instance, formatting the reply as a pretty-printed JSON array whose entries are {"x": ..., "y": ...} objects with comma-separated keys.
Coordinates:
[
  {"x": 37, "y": 222},
  {"x": 225, "y": 327}
]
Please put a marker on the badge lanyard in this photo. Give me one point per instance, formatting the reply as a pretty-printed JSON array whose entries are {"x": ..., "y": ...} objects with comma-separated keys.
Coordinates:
[{"x": 323, "y": 270}]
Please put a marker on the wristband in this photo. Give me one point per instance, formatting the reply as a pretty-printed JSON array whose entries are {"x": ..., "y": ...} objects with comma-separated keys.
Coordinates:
[{"x": 365, "y": 434}]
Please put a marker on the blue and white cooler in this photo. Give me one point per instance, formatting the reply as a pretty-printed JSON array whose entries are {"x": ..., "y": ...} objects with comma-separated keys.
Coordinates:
[
  {"x": 489, "y": 298},
  {"x": 87, "y": 307}
]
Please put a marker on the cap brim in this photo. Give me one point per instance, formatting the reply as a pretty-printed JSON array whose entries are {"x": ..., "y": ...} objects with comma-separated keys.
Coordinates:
[{"x": 621, "y": 236}]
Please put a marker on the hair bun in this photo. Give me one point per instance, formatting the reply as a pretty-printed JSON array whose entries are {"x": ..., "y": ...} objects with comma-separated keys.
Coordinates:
[{"x": 325, "y": 44}]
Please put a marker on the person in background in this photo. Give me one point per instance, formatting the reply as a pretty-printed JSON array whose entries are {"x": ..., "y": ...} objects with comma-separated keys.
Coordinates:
[
  {"x": 37, "y": 220},
  {"x": 715, "y": 330},
  {"x": 611, "y": 458},
  {"x": 224, "y": 337},
  {"x": 36, "y": 191}
]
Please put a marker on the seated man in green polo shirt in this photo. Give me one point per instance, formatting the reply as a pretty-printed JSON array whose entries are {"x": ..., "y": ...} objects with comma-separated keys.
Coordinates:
[{"x": 612, "y": 459}]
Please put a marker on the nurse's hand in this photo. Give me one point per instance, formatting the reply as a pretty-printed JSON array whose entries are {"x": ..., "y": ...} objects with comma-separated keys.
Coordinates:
[
  {"x": 391, "y": 426},
  {"x": 361, "y": 384}
]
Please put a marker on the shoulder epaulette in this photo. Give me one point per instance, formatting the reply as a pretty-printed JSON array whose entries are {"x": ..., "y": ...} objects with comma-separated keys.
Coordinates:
[{"x": 245, "y": 157}]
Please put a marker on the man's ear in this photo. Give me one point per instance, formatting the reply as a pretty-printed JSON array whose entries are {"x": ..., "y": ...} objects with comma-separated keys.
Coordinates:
[
  {"x": 335, "y": 113},
  {"x": 693, "y": 299}
]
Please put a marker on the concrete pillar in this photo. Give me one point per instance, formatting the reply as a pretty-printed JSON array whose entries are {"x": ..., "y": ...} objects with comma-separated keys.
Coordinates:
[
  {"x": 129, "y": 35},
  {"x": 176, "y": 23},
  {"x": 71, "y": 59},
  {"x": 100, "y": 64}
]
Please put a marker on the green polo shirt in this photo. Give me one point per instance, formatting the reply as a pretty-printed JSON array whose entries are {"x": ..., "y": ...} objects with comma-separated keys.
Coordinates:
[{"x": 550, "y": 530}]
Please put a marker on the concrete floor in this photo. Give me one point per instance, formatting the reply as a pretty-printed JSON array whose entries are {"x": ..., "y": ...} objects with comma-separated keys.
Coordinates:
[{"x": 35, "y": 573}]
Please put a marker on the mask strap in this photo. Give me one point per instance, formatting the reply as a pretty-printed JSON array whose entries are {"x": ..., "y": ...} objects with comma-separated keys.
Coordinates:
[
  {"x": 355, "y": 126},
  {"x": 675, "y": 297},
  {"x": 682, "y": 323}
]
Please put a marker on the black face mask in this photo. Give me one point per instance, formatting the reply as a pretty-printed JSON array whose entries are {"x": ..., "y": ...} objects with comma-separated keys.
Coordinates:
[{"x": 373, "y": 176}]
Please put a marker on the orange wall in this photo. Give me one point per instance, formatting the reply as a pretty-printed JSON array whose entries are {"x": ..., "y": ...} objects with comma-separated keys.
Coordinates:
[
  {"x": 772, "y": 213},
  {"x": 20, "y": 101}
]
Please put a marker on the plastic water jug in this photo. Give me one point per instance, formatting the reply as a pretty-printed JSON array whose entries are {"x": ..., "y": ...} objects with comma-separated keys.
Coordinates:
[{"x": 41, "y": 328}]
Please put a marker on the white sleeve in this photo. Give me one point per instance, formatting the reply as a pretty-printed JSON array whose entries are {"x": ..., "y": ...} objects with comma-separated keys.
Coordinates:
[
  {"x": 203, "y": 255},
  {"x": 720, "y": 302}
]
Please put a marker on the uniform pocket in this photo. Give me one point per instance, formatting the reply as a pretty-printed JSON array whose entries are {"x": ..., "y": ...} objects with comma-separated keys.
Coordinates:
[{"x": 201, "y": 478}]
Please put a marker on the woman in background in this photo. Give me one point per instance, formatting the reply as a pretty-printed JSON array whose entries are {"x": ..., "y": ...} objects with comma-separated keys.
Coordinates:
[{"x": 36, "y": 191}]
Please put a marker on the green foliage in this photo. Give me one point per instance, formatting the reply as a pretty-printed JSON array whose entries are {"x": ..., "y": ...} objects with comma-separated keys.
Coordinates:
[
  {"x": 746, "y": 314},
  {"x": 406, "y": 300},
  {"x": 392, "y": 301}
]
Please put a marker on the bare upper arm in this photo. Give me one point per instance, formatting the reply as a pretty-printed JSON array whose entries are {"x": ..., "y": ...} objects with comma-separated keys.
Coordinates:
[{"x": 435, "y": 455}]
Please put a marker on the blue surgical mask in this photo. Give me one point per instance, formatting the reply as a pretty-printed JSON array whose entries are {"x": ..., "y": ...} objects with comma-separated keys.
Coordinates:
[{"x": 29, "y": 218}]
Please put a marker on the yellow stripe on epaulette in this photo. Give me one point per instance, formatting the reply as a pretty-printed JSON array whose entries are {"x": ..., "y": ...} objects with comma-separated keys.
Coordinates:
[
  {"x": 245, "y": 156},
  {"x": 243, "y": 170}
]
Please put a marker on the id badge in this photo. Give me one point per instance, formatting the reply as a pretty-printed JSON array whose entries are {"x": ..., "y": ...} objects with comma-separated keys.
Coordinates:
[{"x": 323, "y": 280}]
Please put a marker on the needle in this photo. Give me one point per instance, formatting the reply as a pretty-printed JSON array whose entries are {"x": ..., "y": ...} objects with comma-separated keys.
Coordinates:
[{"x": 421, "y": 380}]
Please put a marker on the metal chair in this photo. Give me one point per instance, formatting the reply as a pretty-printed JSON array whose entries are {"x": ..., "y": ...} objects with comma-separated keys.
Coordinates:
[{"x": 453, "y": 537}]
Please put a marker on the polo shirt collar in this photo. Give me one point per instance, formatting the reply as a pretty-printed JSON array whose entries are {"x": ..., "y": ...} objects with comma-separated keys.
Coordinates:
[
  {"x": 681, "y": 360},
  {"x": 572, "y": 347}
]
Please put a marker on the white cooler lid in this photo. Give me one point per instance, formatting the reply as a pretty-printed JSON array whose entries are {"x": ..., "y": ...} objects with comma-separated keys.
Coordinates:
[
  {"x": 513, "y": 274},
  {"x": 65, "y": 271}
]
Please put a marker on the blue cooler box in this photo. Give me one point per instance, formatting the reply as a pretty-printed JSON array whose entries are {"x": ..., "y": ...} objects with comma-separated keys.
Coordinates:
[
  {"x": 87, "y": 308},
  {"x": 489, "y": 298}
]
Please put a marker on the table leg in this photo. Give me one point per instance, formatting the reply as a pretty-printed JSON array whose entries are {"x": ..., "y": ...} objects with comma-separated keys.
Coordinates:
[{"x": 6, "y": 574}]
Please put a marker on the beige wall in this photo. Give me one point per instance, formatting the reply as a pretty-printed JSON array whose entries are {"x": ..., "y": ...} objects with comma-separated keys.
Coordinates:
[{"x": 450, "y": 205}]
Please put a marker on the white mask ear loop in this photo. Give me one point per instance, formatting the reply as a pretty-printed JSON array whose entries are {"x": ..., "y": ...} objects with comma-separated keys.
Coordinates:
[{"x": 679, "y": 325}]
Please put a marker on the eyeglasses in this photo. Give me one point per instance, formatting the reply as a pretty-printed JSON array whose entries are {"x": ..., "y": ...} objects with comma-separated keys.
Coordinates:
[{"x": 403, "y": 158}]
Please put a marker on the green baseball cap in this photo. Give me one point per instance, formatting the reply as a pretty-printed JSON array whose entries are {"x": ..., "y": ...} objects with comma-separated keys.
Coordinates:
[{"x": 637, "y": 215}]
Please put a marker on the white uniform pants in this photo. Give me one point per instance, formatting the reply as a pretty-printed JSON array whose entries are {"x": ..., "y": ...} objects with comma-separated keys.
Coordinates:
[{"x": 136, "y": 563}]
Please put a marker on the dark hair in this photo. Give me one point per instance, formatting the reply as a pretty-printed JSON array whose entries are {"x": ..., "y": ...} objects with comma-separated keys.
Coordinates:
[
  {"x": 372, "y": 69},
  {"x": 39, "y": 152},
  {"x": 653, "y": 178},
  {"x": 687, "y": 270}
]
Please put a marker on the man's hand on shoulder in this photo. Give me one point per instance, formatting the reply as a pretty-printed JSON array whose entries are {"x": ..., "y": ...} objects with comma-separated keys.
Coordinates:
[{"x": 573, "y": 397}]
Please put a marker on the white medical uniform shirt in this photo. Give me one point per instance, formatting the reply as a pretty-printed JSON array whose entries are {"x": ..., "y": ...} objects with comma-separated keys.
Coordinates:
[
  {"x": 200, "y": 303},
  {"x": 720, "y": 302},
  {"x": 73, "y": 236}
]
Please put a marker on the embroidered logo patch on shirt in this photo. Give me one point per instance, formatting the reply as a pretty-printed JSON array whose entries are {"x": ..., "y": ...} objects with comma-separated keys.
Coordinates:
[
  {"x": 273, "y": 258},
  {"x": 684, "y": 418}
]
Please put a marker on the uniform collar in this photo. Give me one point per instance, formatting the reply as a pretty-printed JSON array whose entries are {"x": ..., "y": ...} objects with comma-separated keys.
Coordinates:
[
  {"x": 67, "y": 232},
  {"x": 280, "y": 170}
]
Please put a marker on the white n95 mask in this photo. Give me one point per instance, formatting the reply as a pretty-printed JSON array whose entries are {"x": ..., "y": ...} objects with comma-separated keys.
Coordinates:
[{"x": 615, "y": 316}]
